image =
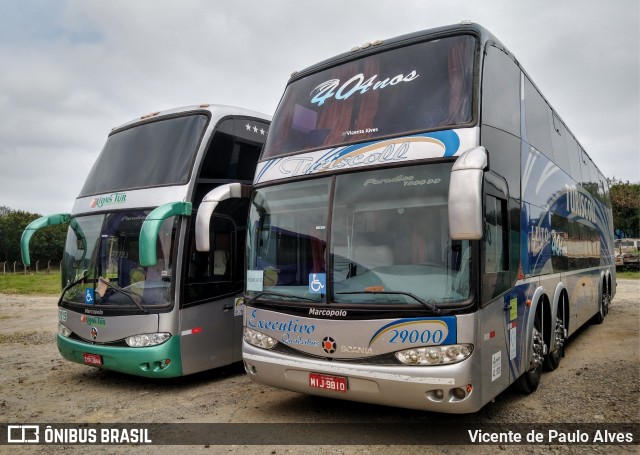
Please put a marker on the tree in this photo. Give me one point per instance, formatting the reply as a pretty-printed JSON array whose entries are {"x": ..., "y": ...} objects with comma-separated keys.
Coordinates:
[
  {"x": 46, "y": 244},
  {"x": 625, "y": 204}
]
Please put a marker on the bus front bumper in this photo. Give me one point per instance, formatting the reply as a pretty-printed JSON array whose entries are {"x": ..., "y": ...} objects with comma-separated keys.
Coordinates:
[
  {"x": 447, "y": 388},
  {"x": 150, "y": 362}
]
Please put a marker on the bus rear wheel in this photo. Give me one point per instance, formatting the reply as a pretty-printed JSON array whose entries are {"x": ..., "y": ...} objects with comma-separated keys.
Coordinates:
[
  {"x": 528, "y": 382},
  {"x": 603, "y": 307},
  {"x": 552, "y": 359}
]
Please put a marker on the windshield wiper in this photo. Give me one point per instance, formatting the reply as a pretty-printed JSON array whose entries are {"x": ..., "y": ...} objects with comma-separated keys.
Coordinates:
[
  {"x": 134, "y": 298},
  {"x": 278, "y": 294},
  {"x": 430, "y": 304}
]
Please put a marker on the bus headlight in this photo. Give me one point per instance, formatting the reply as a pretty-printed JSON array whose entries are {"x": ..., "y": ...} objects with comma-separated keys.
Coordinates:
[
  {"x": 62, "y": 330},
  {"x": 435, "y": 355},
  {"x": 258, "y": 339},
  {"x": 147, "y": 339}
]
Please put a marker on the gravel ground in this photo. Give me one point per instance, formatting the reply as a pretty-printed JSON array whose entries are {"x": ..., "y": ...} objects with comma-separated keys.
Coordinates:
[{"x": 598, "y": 382}]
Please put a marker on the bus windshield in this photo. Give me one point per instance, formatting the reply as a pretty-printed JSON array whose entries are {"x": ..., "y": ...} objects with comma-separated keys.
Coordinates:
[
  {"x": 419, "y": 87},
  {"x": 388, "y": 236},
  {"x": 147, "y": 155},
  {"x": 104, "y": 248}
]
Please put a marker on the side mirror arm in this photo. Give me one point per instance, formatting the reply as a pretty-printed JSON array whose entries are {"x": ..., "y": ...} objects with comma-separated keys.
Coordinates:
[{"x": 50, "y": 220}]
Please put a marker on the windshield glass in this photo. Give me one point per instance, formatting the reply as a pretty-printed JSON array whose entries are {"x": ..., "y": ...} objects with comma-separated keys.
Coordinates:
[
  {"x": 287, "y": 240},
  {"x": 106, "y": 246},
  {"x": 151, "y": 154},
  {"x": 415, "y": 88},
  {"x": 389, "y": 240}
]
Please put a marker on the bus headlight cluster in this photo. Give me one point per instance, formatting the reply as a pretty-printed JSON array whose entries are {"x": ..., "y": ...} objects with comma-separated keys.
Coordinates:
[
  {"x": 258, "y": 339},
  {"x": 147, "y": 339},
  {"x": 435, "y": 355},
  {"x": 62, "y": 330}
]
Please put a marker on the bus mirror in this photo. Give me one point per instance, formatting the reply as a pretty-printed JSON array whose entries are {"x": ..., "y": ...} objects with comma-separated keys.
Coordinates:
[
  {"x": 50, "y": 220},
  {"x": 465, "y": 195},
  {"x": 147, "y": 248},
  {"x": 209, "y": 204}
]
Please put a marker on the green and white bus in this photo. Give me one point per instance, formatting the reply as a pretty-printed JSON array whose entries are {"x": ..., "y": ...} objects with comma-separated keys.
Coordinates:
[
  {"x": 153, "y": 263},
  {"x": 424, "y": 229}
]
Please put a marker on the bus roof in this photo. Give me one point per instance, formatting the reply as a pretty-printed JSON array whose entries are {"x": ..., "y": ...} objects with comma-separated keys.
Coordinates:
[
  {"x": 381, "y": 45},
  {"x": 464, "y": 27},
  {"x": 217, "y": 111}
]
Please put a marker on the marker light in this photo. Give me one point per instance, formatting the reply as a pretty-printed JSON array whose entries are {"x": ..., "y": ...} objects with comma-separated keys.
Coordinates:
[
  {"x": 62, "y": 330},
  {"x": 258, "y": 339},
  {"x": 435, "y": 355},
  {"x": 147, "y": 339}
]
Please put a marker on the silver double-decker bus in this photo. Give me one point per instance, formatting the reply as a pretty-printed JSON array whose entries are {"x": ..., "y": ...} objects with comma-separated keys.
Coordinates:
[
  {"x": 153, "y": 263},
  {"x": 424, "y": 229}
]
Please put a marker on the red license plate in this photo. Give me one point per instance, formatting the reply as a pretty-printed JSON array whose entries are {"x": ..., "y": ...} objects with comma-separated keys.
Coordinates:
[
  {"x": 333, "y": 383},
  {"x": 92, "y": 359}
]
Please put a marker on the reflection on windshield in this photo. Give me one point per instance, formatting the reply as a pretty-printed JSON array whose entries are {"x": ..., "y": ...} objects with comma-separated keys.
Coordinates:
[
  {"x": 389, "y": 238},
  {"x": 170, "y": 144},
  {"x": 106, "y": 246},
  {"x": 390, "y": 235}
]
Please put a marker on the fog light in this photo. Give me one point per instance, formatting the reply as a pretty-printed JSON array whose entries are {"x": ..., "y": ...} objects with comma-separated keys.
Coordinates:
[
  {"x": 459, "y": 393},
  {"x": 438, "y": 394},
  {"x": 250, "y": 369}
]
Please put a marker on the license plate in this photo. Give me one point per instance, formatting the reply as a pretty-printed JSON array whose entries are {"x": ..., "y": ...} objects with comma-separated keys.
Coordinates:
[
  {"x": 92, "y": 359},
  {"x": 333, "y": 383}
]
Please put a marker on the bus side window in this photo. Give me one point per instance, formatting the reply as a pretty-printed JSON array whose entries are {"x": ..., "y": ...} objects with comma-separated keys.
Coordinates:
[
  {"x": 496, "y": 235},
  {"x": 537, "y": 117},
  {"x": 496, "y": 278},
  {"x": 501, "y": 92}
]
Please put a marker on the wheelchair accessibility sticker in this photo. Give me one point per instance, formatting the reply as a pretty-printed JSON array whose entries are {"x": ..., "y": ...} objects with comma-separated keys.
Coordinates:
[
  {"x": 89, "y": 296},
  {"x": 317, "y": 283}
]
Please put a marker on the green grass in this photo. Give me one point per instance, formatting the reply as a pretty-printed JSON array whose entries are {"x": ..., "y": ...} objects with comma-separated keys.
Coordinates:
[
  {"x": 41, "y": 283},
  {"x": 49, "y": 283},
  {"x": 628, "y": 275}
]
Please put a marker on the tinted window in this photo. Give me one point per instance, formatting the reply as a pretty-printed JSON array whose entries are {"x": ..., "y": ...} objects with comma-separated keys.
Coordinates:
[
  {"x": 219, "y": 272},
  {"x": 415, "y": 88},
  {"x": 496, "y": 235},
  {"x": 234, "y": 150},
  {"x": 501, "y": 92},
  {"x": 147, "y": 155},
  {"x": 558, "y": 139},
  {"x": 537, "y": 118},
  {"x": 574, "y": 155}
]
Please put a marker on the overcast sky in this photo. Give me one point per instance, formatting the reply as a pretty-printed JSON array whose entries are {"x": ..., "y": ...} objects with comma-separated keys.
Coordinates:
[{"x": 73, "y": 69}]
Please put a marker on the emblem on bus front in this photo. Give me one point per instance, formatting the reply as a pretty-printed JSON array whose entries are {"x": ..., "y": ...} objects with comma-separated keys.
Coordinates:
[
  {"x": 94, "y": 333},
  {"x": 329, "y": 345}
]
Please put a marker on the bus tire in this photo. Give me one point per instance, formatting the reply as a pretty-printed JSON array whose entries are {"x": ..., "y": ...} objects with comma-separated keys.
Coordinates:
[
  {"x": 603, "y": 307},
  {"x": 552, "y": 359},
  {"x": 530, "y": 379}
]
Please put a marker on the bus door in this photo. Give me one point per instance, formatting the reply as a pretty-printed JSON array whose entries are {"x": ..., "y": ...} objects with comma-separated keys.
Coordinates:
[{"x": 211, "y": 324}]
